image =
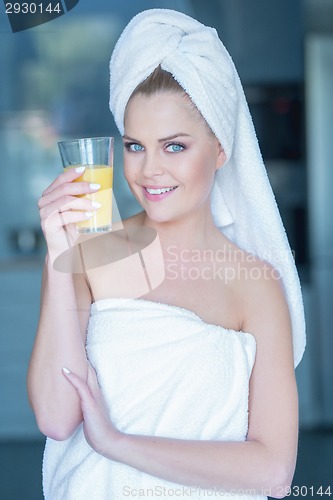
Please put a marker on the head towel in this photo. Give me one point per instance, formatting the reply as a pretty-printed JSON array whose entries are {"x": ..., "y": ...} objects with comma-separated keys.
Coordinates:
[{"x": 243, "y": 204}]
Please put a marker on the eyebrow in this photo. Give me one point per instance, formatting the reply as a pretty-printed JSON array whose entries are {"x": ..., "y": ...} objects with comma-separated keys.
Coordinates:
[{"x": 164, "y": 139}]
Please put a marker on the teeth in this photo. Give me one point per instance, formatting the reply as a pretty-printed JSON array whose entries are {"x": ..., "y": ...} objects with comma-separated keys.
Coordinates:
[{"x": 160, "y": 191}]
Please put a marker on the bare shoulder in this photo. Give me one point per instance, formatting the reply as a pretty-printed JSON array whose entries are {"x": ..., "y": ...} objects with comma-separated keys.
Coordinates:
[
  {"x": 266, "y": 315},
  {"x": 261, "y": 293}
]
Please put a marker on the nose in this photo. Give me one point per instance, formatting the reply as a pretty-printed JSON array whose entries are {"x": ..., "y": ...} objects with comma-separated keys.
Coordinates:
[{"x": 152, "y": 165}]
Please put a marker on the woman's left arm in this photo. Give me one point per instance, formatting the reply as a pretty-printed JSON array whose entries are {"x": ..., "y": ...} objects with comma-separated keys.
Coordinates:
[{"x": 265, "y": 462}]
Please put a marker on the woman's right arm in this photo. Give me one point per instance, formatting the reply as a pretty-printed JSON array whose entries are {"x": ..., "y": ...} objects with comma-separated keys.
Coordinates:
[{"x": 64, "y": 312}]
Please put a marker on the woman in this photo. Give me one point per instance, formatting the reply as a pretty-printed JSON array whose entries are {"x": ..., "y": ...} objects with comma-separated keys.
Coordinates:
[{"x": 192, "y": 390}]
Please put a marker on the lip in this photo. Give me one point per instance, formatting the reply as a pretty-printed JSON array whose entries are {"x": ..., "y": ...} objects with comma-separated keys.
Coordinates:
[{"x": 157, "y": 197}]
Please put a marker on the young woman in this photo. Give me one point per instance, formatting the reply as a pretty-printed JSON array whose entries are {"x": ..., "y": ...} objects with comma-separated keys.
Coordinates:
[{"x": 187, "y": 390}]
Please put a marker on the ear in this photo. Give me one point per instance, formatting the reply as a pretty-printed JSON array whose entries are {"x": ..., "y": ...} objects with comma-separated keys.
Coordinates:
[{"x": 221, "y": 156}]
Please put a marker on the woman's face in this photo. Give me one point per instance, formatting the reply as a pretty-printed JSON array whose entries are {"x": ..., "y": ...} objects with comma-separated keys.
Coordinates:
[{"x": 170, "y": 156}]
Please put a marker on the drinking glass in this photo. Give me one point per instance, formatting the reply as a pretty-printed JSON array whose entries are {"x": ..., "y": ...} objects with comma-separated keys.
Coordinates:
[{"x": 96, "y": 155}]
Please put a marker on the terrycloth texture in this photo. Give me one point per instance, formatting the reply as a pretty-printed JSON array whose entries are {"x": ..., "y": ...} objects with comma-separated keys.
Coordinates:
[
  {"x": 164, "y": 372},
  {"x": 243, "y": 204}
]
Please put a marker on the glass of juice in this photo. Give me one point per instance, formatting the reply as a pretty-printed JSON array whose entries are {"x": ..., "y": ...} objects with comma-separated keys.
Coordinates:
[{"x": 96, "y": 154}]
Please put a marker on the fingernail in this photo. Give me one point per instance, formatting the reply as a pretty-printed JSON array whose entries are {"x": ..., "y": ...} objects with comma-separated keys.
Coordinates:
[
  {"x": 96, "y": 204},
  {"x": 66, "y": 370},
  {"x": 89, "y": 214},
  {"x": 79, "y": 170},
  {"x": 95, "y": 186}
]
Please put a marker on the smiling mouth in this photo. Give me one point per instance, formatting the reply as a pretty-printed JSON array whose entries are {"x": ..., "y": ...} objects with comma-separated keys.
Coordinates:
[{"x": 160, "y": 190}]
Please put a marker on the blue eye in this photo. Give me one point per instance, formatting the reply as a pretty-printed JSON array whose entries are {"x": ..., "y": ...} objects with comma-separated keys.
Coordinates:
[
  {"x": 175, "y": 148},
  {"x": 133, "y": 146}
]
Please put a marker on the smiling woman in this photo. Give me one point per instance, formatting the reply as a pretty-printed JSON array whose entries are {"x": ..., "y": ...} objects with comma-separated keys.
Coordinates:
[{"x": 190, "y": 387}]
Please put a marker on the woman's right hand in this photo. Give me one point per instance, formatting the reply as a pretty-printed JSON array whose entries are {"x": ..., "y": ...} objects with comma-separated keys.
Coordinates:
[{"x": 60, "y": 208}]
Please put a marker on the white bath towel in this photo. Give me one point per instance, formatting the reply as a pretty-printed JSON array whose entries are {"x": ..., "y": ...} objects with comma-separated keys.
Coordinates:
[
  {"x": 163, "y": 372},
  {"x": 243, "y": 204}
]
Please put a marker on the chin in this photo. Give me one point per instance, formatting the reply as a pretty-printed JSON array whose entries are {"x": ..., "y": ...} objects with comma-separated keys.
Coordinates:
[
  {"x": 160, "y": 219},
  {"x": 159, "y": 215},
  {"x": 166, "y": 217}
]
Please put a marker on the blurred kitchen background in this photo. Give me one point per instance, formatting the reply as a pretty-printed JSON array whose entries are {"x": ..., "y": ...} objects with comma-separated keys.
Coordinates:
[{"x": 54, "y": 85}]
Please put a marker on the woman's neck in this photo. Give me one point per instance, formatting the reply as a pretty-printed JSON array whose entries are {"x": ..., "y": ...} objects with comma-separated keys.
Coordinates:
[{"x": 196, "y": 231}]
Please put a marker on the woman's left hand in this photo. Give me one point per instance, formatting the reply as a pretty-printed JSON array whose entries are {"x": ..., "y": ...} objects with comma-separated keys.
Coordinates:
[{"x": 99, "y": 431}]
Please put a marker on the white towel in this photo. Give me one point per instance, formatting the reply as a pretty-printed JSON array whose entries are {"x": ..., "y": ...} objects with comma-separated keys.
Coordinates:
[
  {"x": 243, "y": 204},
  {"x": 163, "y": 372}
]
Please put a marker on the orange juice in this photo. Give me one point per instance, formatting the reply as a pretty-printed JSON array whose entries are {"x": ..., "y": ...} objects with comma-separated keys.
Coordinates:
[{"x": 102, "y": 218}]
